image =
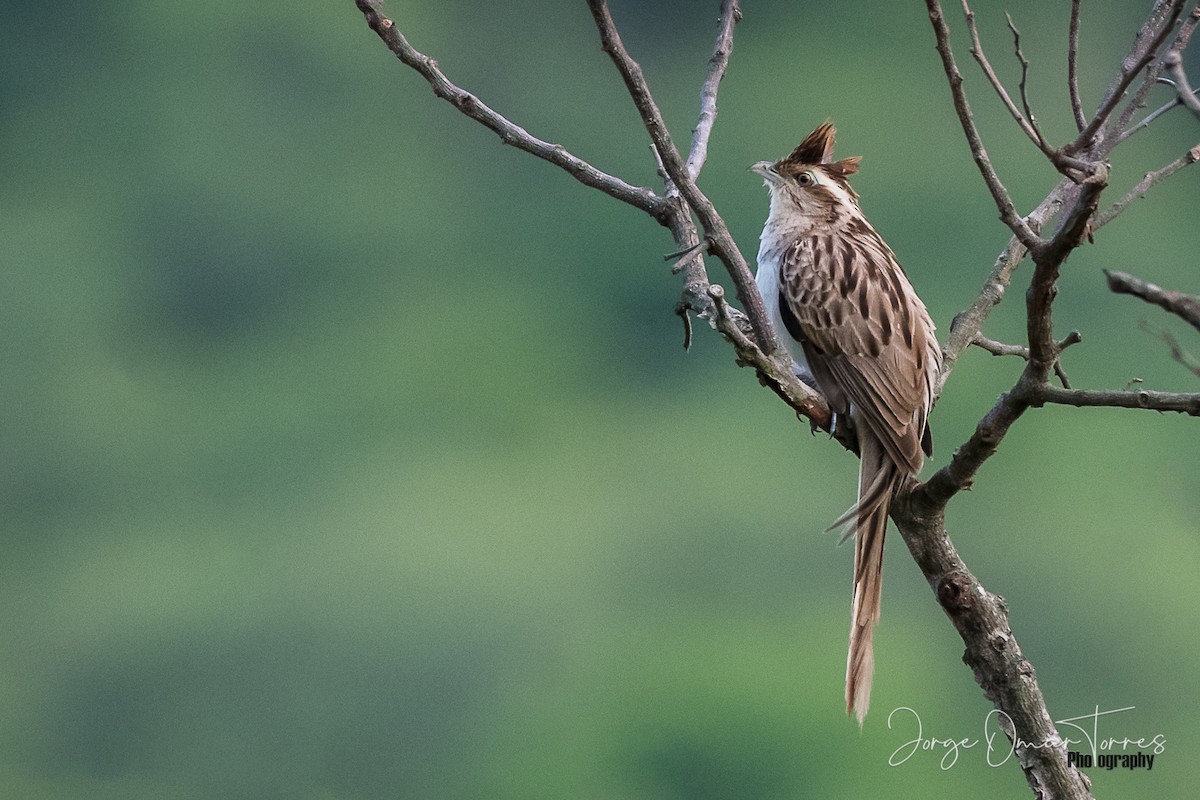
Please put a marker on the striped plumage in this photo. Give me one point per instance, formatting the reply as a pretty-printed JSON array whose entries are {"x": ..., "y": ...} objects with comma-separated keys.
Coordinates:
[{"x": 844, "y": 306}]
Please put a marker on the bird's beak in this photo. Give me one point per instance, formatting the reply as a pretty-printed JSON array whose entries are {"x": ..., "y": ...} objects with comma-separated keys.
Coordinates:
[{"x": 765, "y": 169}]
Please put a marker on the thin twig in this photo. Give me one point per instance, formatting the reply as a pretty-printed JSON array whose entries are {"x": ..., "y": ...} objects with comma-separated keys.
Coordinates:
[
  {"x": 1024, "y": 62},
  {"x": 510, "y": 133},
  {"x": 1061, "y": 374},
  {"x": 1153, "y": 115},
  {"x": 1022, "y": 352},
  {"x": 1026, "y": 120},
  {"x": 717, "y": 64},
  {"x": 1142, "y": 186},
  {"x": 1000, "y": 348},
  {"x": 696, "y": 274},
  {"x": 1178, "y": 354},
  {"x": 1004, "y": 203},
  {"x": 1074, "y": 337},
  {"x": 1173, "y": 62},
  {"x": 1073, "y": 67},
  {"x": 993, "y": 79},
  {"x": 683, "y": 311},
  {"x": 1068, "y": 165},
  {"x": 1184, "y": 306}
]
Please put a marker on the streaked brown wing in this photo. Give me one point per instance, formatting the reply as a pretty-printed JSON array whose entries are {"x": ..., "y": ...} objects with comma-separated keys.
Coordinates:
[{"x": 865, "y": 332}]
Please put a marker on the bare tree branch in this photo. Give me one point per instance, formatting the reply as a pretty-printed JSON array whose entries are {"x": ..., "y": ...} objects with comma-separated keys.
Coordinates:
[
  {"x": 695, "y": 292},
  {"x": 1000, "y": 348},
  {"x": 666, "y": 210},
  {"x": 1004, "y": 203},
  {"x": 1048, "y": 255},
  {"x": 1149, "y": 38},
  {"x": 969, "y": 322},
  {"x": 1144, "y": 185},
  {"x": 1178, "y": 354},
  {"x": 714, "y": 226},
  {"x": 994, "y": 80},
  {"x": 1154, "y": 401},
  {"x": 924, "y": 506},
  {"x": 1022, "y": 352},
  {"x": 509, "y": 133},
  {"x": 1029, "y": 391},
  {"x": 1048, "y": 260},
  {"x": 708, "y": 300},
  {"x": 981, "y": 617},
  {"x": 730, "y": 16},
  {"x": 960, "y": 472},
  {"x": 699, "y": 295},
  {"x": 1073, "y": 67},
  {"x": 1039, "y": 140},
  {"x": 1186, "y": 29},
  {"x": 784, "y": 383},
  {"x": 1153, "y": 115},
  {"x": 1184, "y": 306},
  {"x": 1173, "y": 62},
  {"x": 1066, "y": 164},
  {"x": 1153, "y": 74},
  {"x": 695, "y": 296},
  {"x": 1007, "y": 678}
]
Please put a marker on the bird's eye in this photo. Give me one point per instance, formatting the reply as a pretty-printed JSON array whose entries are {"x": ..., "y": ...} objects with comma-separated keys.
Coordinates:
[{"x": 806, "y": 179}]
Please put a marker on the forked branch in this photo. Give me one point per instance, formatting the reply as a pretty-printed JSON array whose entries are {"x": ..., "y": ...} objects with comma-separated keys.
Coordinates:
[
  {"x": 1004, "y": 203},
  {"x": 1147, "y": 44},
  {"x": 723, "y": 245},
  {"x": 1147, "y": 38},
  {"x": 1080, "y": 221}
]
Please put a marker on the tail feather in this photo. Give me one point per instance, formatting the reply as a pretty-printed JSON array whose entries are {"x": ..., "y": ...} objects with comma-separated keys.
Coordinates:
[{"x": 878, "y": 480}]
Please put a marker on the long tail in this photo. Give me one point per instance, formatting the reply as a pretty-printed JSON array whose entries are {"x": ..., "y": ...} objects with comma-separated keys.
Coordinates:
[{"x": 878, "y": 480}]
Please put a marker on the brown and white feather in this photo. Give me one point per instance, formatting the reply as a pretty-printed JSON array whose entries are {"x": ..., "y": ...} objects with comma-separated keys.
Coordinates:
[{"x": 839, "y": 295}]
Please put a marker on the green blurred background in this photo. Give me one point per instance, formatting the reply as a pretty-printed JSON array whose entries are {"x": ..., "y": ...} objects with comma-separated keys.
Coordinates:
[{"x": 348, "y": 453}]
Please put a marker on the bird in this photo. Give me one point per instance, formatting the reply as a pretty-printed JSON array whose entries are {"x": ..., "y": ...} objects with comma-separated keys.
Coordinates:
[{"x": 849, "y": 316}]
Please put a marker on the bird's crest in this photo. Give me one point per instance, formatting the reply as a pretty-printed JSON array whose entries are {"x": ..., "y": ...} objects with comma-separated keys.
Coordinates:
[{"x": 817, "y": 150}]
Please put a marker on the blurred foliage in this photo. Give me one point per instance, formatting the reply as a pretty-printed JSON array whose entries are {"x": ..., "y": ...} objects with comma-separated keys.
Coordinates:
[{"x": 350, "y": 454}]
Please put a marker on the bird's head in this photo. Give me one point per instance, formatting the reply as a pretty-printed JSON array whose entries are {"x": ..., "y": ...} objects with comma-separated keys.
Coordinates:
[{"x": 808, "y": 178}]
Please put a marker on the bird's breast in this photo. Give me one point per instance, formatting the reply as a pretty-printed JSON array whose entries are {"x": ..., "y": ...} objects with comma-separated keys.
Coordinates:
[{"x": 770, "y": 262}]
